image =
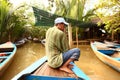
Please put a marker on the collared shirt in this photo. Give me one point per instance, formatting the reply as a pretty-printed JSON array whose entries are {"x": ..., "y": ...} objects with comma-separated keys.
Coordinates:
[{"x": 56, "y": 45}]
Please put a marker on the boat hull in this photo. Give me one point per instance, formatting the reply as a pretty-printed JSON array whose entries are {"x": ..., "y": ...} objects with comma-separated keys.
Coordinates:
[
  {"x": 9, "y": 52},
  {"x": 112, "y": 62},
  {"x": 29, "y": 73},
  {"x": 32, "y": 77},
  {"x": 20, "y": 43}
]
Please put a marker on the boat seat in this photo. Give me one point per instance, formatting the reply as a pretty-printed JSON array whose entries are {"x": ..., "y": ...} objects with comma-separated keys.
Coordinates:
[
  {"x": 6, "y": 49},
  {"x": 118, "y": 46},
  {"x": 118, "y": 59},
  {"x": 107, "y": 52},
  {"x": 3, "y": 57}
]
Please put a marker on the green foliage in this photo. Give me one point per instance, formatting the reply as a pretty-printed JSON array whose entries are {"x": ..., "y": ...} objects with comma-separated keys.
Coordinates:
[
  {"x": 112, "y": 19},
  {"x": 12, "y": 22},
  {"x": 73, "y": 9},
  {"x": 38, "y": 32},
  {"x": 112, "y": 22},
  {"x": 4, "y": 17},
  {"x": 17, "y": 29}
]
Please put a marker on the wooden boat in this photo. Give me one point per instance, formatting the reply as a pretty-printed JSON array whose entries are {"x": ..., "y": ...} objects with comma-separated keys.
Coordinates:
[
  {"x": 41, "y": 71},
  {"x": 21, "y": 42},
  {"x": 107, "y": 54},
  {"x": 7, "y": 52},
  {"x": 43, "y": 42},
  {"x": 109, "y": 43},
  {"x": 36, "y": 40}
]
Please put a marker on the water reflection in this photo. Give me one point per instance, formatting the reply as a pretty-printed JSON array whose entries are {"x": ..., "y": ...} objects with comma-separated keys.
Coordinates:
[
  {"x": 88, "y": 62},
  {"x": 25, "y": 56}
]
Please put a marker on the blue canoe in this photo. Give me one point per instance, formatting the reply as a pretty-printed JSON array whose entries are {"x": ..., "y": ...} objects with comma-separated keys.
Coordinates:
[
  {"x": 28, "y": 73},
  {"x": 7, "y": 52}
]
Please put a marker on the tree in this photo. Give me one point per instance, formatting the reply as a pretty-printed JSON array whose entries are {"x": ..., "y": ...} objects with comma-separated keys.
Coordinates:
[
  {"x": 5, "y": 14},
  {"x": 12, "y": 22},
  {"x": 112, "y": 18},
  {"x": 74, "y": 9}
]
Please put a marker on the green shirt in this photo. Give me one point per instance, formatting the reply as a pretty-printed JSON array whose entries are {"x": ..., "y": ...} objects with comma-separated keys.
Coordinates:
[{"x": 56, "y": 44}]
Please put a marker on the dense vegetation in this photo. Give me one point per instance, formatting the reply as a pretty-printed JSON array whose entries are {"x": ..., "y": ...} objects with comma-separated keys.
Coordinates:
[{"x": 17, "y": 23}]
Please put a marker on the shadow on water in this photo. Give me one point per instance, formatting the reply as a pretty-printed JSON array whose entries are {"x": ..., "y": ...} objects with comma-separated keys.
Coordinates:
[{"x": 88, "y": 62}]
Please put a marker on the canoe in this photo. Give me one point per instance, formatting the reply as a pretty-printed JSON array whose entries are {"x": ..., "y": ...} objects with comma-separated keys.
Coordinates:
[
  {"x": 36, "y": 40},
  {"x": 110, "y": 43},
  {"x": 41, "y": 71},
  {"x": 7, "y": 52},
  {"x": 43, "y": 42},
  {"x": 21, "y": 42},
  {"x": 109, "y": 56}
]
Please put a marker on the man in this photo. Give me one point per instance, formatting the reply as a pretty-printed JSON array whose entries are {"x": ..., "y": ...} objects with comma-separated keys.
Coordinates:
[{"x": 57, "y": 48}]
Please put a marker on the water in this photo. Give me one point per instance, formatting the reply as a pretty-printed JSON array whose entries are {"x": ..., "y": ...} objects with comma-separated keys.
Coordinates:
[
  {"x": 88, "y": 62},
  {"x": 95, "y": 68}
]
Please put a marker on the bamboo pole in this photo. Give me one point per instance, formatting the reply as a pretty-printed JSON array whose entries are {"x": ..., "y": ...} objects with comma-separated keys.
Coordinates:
[
  {"x": 70, "y": 35},
  {"x": 77, "y": 36}
]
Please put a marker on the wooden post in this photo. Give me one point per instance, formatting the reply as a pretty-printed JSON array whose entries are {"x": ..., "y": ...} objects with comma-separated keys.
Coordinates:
[
  {"x": 70, "y": 35},
  {"x": 112, "y": 35},
  {"x": 77, "y": 36}
]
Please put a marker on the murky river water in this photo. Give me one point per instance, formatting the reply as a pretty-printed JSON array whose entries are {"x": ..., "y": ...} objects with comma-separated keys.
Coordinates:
[{"x": 88, "y": 62}]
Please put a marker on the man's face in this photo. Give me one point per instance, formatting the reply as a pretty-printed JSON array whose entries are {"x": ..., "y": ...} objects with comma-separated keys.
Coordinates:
[{"x": 61, "y": 26}]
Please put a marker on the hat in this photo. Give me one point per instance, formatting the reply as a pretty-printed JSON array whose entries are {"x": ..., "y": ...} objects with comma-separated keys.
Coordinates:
[{"x": 60, "y": 20}]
